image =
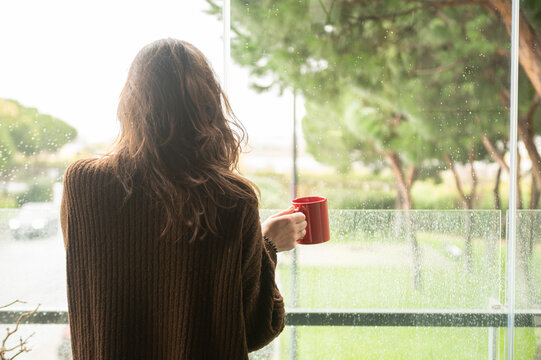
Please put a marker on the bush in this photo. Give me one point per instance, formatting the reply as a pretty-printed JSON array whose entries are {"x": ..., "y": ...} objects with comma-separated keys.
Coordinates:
[
  {"x": 428, "y": 195},
  {"x": 8, "y": 202},
  {"x": 370, "y": 191},
  {"x": 353, "y": 191},
  {"x": 39, "y": 191},
  {"x": 275, "y": 190},
  {"x": 359, "y": 199}
]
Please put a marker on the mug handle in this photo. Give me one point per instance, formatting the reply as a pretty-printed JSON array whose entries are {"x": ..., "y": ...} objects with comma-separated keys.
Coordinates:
[
  {"x": 290, "y": 210},
  {"x": 293, "y": 209}
]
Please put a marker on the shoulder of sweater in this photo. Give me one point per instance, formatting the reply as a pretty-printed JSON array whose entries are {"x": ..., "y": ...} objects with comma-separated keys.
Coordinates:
[
  {"x": 253, "y": 200},
  {"x": 81, "y": 169},
  {"x": 82, "y": 166}
]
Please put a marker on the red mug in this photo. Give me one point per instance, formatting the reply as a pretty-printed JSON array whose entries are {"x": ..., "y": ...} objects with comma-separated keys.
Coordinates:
[{"x": 317, "y": 217}]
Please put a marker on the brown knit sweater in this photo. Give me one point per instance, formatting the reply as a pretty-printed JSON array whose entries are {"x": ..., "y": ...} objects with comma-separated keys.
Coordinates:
[{"x": 133, "y": 296}]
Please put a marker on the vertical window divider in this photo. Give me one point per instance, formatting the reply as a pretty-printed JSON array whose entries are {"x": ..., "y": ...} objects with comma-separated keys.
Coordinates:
[{"x": 512, "y": 213}]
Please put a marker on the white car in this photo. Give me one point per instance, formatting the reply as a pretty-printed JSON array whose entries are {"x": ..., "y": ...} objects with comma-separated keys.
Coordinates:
[{"x": 35, "y": 220}]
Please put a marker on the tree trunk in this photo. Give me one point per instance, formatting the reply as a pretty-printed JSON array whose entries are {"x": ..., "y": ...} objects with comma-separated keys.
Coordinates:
[
  {"x": 532, "y": 153},
  {"x": 498, "y": 203},
  {"x": 518, "y": 195},
  {"x": 494, "y": 153},
  {"x": 499, "y": 158},
  {"x": 469, "y": 224},
  {"x": 474, "y": 180},
  {"x": 398, "y": 200},
  {"x": 397, "y": 223},
  {"x": 496, "y": 190},
  {"x": 467, "y": 201},
  {"x": 534, "y": 194},
  {"x": 404, "y": 184},
  {"x": 529, "y": 41},
  {"x": 526, "y": 136}
]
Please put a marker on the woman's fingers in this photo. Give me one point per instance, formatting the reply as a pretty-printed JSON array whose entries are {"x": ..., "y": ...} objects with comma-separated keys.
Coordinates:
[
  {"x": 298, "y": 218},
  {"x": 287, "y": 211},
  {"x": 301, "y": 226},
  {"x": 284, "y": 230}
]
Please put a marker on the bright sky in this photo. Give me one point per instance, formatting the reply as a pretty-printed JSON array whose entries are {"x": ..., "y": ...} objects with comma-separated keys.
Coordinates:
[{"x": 70, "y": 59}]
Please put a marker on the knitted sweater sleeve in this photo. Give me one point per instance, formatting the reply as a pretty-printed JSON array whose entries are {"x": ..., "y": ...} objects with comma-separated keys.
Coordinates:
[
  {"x": 67, "y": 204},
  {"x": 263, "y": 304},
  {"x": 64, "y": 214}
]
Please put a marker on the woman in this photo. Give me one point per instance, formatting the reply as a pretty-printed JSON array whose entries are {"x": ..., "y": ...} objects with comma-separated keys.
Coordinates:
[{"x": 166, "y": 257}]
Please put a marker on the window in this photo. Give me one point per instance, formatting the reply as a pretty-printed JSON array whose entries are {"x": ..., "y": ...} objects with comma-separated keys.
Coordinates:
[{"x": 399, "y": 112}]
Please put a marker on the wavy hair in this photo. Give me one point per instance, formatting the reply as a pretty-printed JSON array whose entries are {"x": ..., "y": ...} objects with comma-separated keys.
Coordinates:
[{"x": 179, "y": 133}]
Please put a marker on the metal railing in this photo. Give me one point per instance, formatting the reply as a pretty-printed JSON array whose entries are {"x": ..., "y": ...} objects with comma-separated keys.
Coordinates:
[
  {"x": 353, "y": 317},
  {"x": 493, "y": 320}
]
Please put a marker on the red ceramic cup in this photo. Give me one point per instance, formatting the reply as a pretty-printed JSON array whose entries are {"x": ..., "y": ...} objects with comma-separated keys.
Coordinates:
[{"x": 317, "y": 217}]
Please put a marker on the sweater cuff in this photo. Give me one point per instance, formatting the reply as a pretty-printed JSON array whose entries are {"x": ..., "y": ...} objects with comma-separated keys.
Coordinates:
[{"x": 271, "y": 248}]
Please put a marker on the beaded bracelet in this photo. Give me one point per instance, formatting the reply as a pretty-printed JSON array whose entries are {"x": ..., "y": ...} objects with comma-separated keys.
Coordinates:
[{"x": 270, "y": 243}]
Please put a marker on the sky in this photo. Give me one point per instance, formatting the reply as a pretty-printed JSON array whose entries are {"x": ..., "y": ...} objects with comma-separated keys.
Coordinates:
[{"x": 70, "y": 59}]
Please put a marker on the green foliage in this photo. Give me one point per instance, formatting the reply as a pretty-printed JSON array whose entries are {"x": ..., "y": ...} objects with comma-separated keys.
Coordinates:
[
  {"x": 7, "y": 148},
  {"x": 331, "y": 139},
  {"x": 39, "y": 191},
  {"x": 532, "y": 10},
  {"x": 8, "y": 201},
  {"x": 274, "y": 189},
  {"x": 27, "y": 131},
  {"x": 428, "y": 195},
  {"x": 372, "y": 191},
  {"x": 351, "y": 191},
  {"x": 383, "y": 77},
  {"x": 347, "y": 199}
]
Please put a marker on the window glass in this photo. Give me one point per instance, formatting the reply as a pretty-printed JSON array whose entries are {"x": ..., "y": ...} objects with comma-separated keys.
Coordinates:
[
  {"x": 528, "y": 281},
  {"x": 63, "y": 66},
  {"x": 404, "y": 105}
]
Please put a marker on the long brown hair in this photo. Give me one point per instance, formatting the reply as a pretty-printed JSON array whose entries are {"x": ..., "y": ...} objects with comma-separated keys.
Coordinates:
[{"x": 179, "y": 133}]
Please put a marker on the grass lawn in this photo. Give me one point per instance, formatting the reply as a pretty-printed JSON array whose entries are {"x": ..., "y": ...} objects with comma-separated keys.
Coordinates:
[{"x": 446, "y": 285}]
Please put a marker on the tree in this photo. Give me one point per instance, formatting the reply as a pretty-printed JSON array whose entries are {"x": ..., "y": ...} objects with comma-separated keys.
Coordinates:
[
  {"x": 10, "y": 352},
  {"x": 7, "y": 147},
  {"x": 383, "y": 71},
  {"x": 367, "y": 128},
  {"x": 341, "y": 19},
  {"x": 26, "y": 131},
  {"x": 311, "y": 56},
  {"x": 529, "y": 52}
]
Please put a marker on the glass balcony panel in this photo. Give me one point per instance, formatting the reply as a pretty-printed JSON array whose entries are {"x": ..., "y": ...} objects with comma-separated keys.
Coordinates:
[
  {"x": 528, "y": 281},
  {"x": 396, "y": 261},
  {"x": 400, "y": 260}
]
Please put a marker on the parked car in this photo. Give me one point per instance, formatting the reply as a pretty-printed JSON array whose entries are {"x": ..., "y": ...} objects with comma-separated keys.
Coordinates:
[{"x": 35, "y": 220}]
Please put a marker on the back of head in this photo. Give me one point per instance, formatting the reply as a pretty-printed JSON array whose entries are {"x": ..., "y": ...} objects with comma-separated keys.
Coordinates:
[{"x": 179, "y": 135}]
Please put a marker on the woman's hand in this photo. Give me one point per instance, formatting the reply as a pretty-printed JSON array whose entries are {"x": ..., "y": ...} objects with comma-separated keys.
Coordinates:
[{"x": 284, "y": 228}]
